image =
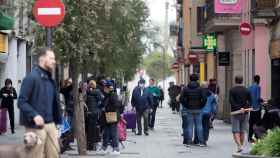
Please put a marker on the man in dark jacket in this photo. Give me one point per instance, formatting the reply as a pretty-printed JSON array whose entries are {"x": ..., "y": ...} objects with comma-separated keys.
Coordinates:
[
  {"x": 193, "y": 100},
  {"x": 240, "y": 101},
  {"x": 173, "y": 92},
  {"x": 39, "y": 107},
  {"x": 142, "y": 101}
]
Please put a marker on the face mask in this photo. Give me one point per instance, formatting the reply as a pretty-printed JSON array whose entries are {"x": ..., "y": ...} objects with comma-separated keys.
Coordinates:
[{"x": 142, "y": 85}]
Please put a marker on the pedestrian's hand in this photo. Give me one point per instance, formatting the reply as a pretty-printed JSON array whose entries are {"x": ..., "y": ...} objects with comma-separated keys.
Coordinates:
[
  {"x": 151, "y": 110},
  {"x": 243, "y": 110},
  {"x": 5, "y": 95},
  {"x": 39, "y": 121},
  {"x": 11, "y": 95}
]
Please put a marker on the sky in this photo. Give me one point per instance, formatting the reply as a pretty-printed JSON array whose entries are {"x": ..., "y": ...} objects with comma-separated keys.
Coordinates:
[{"x": 157, "y": 10}]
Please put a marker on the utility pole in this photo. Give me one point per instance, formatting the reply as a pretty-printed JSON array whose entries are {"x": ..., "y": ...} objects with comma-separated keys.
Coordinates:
[{"x": 165, "y": 42}]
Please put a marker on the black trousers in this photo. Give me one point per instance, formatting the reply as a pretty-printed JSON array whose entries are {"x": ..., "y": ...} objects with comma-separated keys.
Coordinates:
[
  {"x": 175, "y": 105},
  {"x": 11, "y": 117},
  {"x": 91, "y": 130},
  {"x": 255, "y": 117},
  {"x": 152, "y": 117}
]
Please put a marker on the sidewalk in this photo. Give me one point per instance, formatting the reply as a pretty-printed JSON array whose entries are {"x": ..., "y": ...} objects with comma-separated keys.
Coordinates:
[{"x": 164, "y": 142}]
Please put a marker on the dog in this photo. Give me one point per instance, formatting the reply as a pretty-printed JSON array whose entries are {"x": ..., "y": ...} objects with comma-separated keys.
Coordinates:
[{"x": 30, "y": 140}]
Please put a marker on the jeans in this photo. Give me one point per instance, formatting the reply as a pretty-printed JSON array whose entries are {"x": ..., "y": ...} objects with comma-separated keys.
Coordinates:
[
  {"x": 139, "y": 115},
  {"x": 110, "y": 135},
  {"x": 184, "y": 124},
  {"x": 194, "y": 121},
  {"x": 206, "y": 118},
  {"x": 152, "y": 117}
]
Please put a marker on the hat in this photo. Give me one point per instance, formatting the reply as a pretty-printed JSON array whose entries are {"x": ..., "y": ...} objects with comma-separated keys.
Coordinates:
[{"x": 108, "y": 84}]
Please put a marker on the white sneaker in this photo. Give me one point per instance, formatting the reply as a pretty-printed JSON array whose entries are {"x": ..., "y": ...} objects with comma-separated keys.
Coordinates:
[
  {"x": 101, "y": 152},
  {"x": 115, "y": 152}
]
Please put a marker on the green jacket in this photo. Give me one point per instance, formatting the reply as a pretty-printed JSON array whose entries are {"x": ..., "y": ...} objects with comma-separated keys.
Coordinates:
[{"x": 154, "y": 91}]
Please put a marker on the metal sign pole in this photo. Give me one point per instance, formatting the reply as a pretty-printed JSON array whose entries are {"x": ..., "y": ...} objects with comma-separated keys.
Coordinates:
[{"x": 49, "y": 37}]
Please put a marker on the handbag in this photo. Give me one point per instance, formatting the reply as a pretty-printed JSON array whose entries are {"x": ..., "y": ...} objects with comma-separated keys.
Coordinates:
[{"x": 111, "y": 117}]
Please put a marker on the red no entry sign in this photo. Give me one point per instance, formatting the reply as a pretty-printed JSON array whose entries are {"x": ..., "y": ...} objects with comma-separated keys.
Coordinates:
[
  {"x": 245, "y": 28},
  {"x": 49, "y": 13}
]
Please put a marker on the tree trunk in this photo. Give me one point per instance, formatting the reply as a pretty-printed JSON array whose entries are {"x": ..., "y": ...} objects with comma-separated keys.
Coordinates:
[{"x": 79, "y": 112}]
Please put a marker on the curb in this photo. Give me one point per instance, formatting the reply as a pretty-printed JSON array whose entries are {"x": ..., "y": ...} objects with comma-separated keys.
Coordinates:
[{"x": 249, "y": 156}]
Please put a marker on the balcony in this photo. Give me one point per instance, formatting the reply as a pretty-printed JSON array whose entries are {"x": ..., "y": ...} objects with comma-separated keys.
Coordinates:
[
  {"x": 266, "y": 8},
  {"x": 216, "y": 22}
]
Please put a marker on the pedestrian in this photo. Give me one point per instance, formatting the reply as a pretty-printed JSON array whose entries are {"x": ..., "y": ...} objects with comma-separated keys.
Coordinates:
[
  {"x": 93, "y": 102},
  {"x": 155, "y": 92},
  {"x": 67, "y": 91},
  {"x": 110, "y": 117},
  {"x": 240, "y": 101},
  {"x": 215, "y": 89},
  {"x": 193, "y": 100},
  {"x": 40, "y": 111},
  {"x": 161, "y": 98},
  {"x": 209, "y": 110},
  {"x": 173, "y": 92},
  {"x": 8, "y": 94},
  {"x": 142, "y": 101},
  {"x": 255, "y": 114}
]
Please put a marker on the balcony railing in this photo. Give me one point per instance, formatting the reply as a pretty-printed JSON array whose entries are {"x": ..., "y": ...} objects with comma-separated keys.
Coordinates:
[
  {"x": 265, "y": 4},
  {"x": 265, "y": 8}
]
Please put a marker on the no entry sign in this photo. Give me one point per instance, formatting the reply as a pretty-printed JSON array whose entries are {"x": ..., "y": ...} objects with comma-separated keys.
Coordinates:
[
  {"x": 245, "y": 28},
  {"x": 49, "y": 13}
]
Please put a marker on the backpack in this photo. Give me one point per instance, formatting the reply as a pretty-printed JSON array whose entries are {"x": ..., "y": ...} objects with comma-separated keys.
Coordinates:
[{"x": 193, "y": 99}]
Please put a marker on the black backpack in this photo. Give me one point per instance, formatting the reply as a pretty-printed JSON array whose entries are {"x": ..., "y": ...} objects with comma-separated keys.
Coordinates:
[{"x": 193, "y": 98}]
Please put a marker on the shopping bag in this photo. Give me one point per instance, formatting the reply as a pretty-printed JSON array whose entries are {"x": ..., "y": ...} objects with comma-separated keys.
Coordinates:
[
  {"x": 111, "y": 117},
  {"x": 122, "y": 129},
  {"x": 65, "y": 126}
]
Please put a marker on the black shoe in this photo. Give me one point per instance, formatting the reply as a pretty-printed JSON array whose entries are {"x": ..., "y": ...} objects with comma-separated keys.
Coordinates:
[
  {"x": 146, "y": 133},
  {"x": 13, "y": 132},
  {"x": 139, "y": 134}
]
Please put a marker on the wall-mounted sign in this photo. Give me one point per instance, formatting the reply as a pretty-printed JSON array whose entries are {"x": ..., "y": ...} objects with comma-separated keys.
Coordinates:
[
  {"x": 228, "y": 6},
  {"x": 210, "y": 42},
  {"x": 3, "y": 43},
  {"x": 224, "y": 58},
  {"x": 228, "y": 1},
  {"x": 275, "y": 49}
]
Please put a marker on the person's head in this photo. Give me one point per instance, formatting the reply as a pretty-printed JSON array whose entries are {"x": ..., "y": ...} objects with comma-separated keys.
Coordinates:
[
  {"x": 152, "y": 82},
  {"x": 238, "y": 79},
  {"x": 212, "y": 81},
  {"x": 46, "y": 59},
  {"x": 141, "y": 83},
  {"x": 171, "y": 84},
  {"x": 257, "y": 79},
  {"x": 194, "y": 77},
  {"x": 108, "y": 86},
  {"x": 204, "y": 84},
  {"x": 92, "y": 84},
  {"x": 8, "y": 83}
]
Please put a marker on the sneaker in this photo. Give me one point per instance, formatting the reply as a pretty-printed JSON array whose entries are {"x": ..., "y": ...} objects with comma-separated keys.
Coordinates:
[
  {"x": 139, "y": 134},
  {"x": 202, "y": 145},
  {"x": 187, "y": 145},
  {"x": 115, "y": 152},
  {"x": 146, "y": 133},
  {"x": 102, "y": 152},
  {"x": 239, "y": 149}
]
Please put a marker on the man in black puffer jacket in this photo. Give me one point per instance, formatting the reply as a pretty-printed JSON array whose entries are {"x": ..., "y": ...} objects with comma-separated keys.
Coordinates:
[{"x": 193, "y": 100}]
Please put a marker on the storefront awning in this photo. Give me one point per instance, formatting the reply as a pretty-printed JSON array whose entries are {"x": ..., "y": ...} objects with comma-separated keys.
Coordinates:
[{"x": 6, "y": 22}]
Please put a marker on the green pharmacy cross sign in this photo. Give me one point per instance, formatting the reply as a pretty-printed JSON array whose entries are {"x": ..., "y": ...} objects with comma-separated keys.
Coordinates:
[{"x": 210, "y": 42}]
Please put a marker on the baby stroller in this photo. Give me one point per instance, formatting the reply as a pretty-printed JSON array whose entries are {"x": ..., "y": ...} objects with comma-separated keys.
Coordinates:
[{"x": 270, "y": 119}]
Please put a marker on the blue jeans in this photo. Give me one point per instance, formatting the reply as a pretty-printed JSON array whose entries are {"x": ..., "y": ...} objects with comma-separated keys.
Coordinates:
[
  {"x": 194, "y": 121},
  {"x": 184, "y": 124},
  {"x": 110, "y": 135}
]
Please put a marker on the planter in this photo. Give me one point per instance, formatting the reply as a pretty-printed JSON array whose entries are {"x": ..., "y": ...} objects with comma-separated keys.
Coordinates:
[{"x": 249, "y": 156}]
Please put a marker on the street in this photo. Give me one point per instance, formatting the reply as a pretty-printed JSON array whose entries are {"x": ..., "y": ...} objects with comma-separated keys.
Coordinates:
[{"x": 164, "y": 142}]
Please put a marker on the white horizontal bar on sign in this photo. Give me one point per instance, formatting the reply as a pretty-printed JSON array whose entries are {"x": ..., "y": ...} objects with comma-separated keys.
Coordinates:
[{"x": 49, "y": 11}]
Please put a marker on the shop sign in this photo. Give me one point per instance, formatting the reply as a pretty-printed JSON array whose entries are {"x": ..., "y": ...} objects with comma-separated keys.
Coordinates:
[
  {"x": 228, "y": 6},
  {"x": 275, "y": 49},
  {"x": 224, "y": 58},
  {"x": 210, "y": 42},
  {"x": 3, "y": 43}
]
